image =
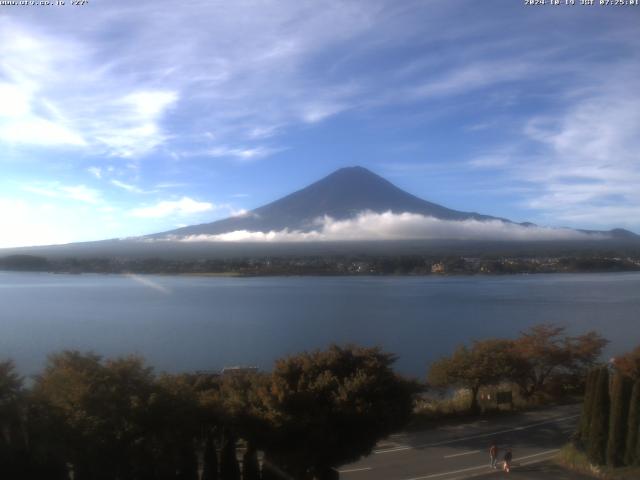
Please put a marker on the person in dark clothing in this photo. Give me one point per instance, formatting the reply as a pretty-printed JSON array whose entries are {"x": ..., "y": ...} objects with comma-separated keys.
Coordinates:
[{"x": 493, "y": 454}]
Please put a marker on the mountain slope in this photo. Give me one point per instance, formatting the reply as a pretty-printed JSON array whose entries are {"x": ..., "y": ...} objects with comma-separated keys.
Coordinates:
[{"x": 341, "y": 195}]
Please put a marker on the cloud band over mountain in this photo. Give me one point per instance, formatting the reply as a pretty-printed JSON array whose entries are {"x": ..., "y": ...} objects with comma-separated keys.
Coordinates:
[{"x": 399, "y": 226}]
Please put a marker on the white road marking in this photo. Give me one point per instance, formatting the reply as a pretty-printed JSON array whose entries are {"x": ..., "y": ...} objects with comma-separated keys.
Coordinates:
[
  {"x": 435, "y": 475},
  {"x": 388, "y": 444},
  {"x": 481, "y": 435},
  {"x": 461, "y": 454},
  {"x": 350, "y": 470}
]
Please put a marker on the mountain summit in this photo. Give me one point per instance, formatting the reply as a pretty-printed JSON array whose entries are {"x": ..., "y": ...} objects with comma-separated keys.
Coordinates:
[{"x": 341, "y": 195}]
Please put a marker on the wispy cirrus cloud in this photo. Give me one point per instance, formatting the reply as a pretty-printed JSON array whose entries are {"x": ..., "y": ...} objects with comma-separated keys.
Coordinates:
[
  {"x": 53, "y": 99},
  {"x": 80, "y": 193},
  {"x": 243, "y": 154},
  {"x": 338, "y": 82},
  {"x": 129, "y": 187},
  {"x": 153, "y": 90},
  {"x": 581, "y": 164}
]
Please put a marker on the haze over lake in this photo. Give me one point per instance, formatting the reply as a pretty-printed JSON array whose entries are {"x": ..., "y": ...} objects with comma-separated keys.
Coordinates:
[{"x": 202, "y": 323}]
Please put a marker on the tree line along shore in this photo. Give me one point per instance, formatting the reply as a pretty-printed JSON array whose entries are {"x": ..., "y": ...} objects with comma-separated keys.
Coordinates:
[
  {"x": 330, "y": 265},
  {"x": 86, "y": 417}
]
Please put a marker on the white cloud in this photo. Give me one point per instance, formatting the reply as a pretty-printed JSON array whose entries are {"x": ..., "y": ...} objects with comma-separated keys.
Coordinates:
[
  {"x": 22, "y": 224},
  {"x": 317, "y": 112},
  {"x": 169, "y": 185},
  {"x": 131, "y": 124},
  {"x": 79, "y": 193},
  {"x": 51, "y": 97},
  {"x": 95, "y": 171},
  {"x": 587, "y": 169},
  {"x": 243, "y": 154},
  {"x": 468, "y": 78},
  {"x": 19, "y": 124},
  {"x": 128, "y": 187},
  {"x": 167, "y": 208},
  {"x": 403, "y": 226}
]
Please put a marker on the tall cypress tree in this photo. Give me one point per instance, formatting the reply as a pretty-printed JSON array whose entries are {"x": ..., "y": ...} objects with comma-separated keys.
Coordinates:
[
  {"x": 229, "y": 468},
  {"x": 631, "y": 456},
  {"x": 599, "y": 427},
  {"x": 187, "y": 462},
  {"x": 585, "y": 419},
  {"x": 618, "y": 419},
  {"x": 250, "y": 465},
  {"x": 209, "y": 460}
]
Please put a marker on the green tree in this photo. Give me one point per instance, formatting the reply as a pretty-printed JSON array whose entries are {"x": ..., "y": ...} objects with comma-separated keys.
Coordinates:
[
  {"x": 618, "y": 420},
  {"x": 187, "y": 409},
  {"x": 12, "y": 447},
  {"x": 486, "y": 363},
  {"x": 587, "y": 406},
  {"x": 632, "y": 446},
  {"x": 326, "y": 408},
  {"x": 242, "y": 402},
  {"x": 599, "y": 428},
  {"x": 102, "y": 409}
]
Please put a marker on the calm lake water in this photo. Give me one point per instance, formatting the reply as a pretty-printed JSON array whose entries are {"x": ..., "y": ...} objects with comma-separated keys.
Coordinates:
[{"x": 198, "y": 323}]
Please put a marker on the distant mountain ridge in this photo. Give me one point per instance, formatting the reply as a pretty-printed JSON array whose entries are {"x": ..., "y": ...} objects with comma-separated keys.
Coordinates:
[
  {"x": 344, "y": 194},
  {"x": 341, "y": 195}
]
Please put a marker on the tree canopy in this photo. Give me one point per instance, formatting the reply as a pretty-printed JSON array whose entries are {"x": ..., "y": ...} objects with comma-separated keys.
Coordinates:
[
  {"x": 485, "y": 363},
  {"x": 629, "y": 363},
  {"x": 108, "y": 419},
  {"x": 326, "y": 408},
  {"x": 530, "y": 361}
]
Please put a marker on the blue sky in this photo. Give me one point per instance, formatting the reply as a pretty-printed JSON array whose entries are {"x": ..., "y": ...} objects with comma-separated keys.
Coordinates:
[{"x": 123, "y": 118}]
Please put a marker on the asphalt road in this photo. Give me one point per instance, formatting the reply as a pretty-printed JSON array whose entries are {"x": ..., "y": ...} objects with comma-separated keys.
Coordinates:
[{"x": 460, "y": 450}]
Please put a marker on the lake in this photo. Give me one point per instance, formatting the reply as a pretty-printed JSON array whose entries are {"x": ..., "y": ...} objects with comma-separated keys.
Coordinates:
[{"x": 205, "y": 323}]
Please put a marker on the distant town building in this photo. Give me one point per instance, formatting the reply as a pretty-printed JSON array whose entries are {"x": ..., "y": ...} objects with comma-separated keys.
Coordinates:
[{"x": 438, "y": 268}]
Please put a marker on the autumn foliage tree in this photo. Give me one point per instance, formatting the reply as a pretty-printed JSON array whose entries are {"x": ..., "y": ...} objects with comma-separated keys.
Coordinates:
[
  {"x": 540, "y": 354},
  {"x": 629, "y": 364},
  {"x": 485, "y": 363},
  {"x": 544, "y": 351}
]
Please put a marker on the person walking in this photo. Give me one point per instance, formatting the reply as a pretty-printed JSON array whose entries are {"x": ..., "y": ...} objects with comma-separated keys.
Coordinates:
[
  {"x": 493, "y": 455},
  {"x": 508, "y": 456}
]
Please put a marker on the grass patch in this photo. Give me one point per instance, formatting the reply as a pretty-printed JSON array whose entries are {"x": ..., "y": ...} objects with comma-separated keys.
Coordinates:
[
  {"x": 572, "y": 458},
  {"x": 435, "y": 407}
]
